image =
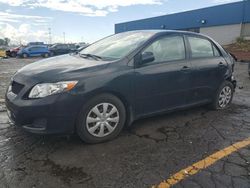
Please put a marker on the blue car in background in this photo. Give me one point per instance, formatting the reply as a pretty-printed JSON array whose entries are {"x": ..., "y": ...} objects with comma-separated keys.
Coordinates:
[{"x": 34, "y": 51}]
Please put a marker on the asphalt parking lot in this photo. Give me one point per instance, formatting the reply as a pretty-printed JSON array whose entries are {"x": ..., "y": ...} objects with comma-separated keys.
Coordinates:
[{"x": 145, "y": 155}]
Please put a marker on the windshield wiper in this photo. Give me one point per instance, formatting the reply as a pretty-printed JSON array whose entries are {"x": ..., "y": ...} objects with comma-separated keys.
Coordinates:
[{"x": 96, "y": 57}]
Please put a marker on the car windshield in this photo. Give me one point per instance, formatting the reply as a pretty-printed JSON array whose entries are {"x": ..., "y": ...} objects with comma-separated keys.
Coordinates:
[
  {"x": 117, "y": 46},
  {"x": 55, "y": 45}
]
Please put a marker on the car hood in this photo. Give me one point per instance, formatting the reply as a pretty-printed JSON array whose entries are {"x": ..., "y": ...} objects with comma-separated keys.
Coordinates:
[{"x": 59, "y": 67}]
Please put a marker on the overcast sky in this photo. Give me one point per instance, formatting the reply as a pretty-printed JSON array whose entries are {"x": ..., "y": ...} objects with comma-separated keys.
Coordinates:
[{"x": 81, "y": 20}]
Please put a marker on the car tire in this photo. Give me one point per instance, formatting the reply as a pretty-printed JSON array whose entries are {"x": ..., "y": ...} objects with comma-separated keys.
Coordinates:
[
  {"x": 46, "y": 55},
  {"x": 25, "y": 55},
  {"x": 223, "y": 97},
  {"x": 95, "y": 124},
  {"x": 13, "y": 54}
]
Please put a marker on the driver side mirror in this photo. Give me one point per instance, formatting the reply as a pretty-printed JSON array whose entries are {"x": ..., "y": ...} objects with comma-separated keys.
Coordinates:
[{"x": 147, "y": 57}]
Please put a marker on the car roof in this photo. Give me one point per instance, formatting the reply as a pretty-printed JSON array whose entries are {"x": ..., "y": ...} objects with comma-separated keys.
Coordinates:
[
  {"x": 164, "y": 31},
  {"x": 41, "y": 46}
]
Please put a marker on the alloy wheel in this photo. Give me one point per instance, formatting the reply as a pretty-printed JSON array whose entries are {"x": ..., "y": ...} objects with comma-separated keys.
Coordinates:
[{"x": 225, "y": 97}]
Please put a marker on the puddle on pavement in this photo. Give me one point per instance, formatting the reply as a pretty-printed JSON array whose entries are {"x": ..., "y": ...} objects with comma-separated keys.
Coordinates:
[{"x": 65, "y": 173}]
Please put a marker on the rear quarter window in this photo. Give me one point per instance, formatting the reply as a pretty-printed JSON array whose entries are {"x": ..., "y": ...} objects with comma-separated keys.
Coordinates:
[{"x": 216, "y": 51}]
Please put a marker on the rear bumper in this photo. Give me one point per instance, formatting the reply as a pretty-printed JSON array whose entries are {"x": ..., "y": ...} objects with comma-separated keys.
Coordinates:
[
  {"x": 3, "y": 54},
  {"x": 51, "y": 115}
]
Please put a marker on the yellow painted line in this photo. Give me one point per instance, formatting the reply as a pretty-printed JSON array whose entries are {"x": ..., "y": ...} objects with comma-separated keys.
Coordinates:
[{"x": 196, "y": 167}]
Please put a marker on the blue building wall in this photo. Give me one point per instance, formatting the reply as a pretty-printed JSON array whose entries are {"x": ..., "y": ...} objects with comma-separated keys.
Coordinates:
[{"x": 227, "y": 14}]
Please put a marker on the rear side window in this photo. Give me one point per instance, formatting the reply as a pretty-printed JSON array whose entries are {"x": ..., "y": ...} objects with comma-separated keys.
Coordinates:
[
  {"x": 167, "y": 49},
  {"x": 202, "y": 48}
]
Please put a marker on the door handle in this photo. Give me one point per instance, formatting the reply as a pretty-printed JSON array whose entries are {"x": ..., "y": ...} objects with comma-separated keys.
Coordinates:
[
  {"x": 220, "y": 64},
  {"x": 185, "y": 68}
]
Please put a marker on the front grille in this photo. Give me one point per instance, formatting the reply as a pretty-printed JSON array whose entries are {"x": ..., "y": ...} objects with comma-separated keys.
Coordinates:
[{"x": 16, "y": 87}]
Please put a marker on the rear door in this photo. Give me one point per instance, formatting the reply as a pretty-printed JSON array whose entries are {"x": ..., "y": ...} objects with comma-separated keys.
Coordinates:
[
  {"x": 163, "y": 83},
  {"x": 33, "y": 51},
  {"x": 59, "y": 49},
  {"x": 209, "y": 68}
]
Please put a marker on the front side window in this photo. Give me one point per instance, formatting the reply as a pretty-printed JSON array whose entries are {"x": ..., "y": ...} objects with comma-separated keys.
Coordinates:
[
  {"x": 64, "y": 47},
  {"x": 200, "y": 47},
  {"x": 33, "y": 49},
  {"x": 42, "y": 49},
  {"x": 30, "y": 49},
  {"x": 59, "y": 46},
  {"x": 170, "y": 48},
  {"x": 117, "y": 46}
]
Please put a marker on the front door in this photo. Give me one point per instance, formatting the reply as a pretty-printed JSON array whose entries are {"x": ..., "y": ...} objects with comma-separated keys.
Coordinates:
[
  {"x": 35, "y": 51},
  {"x": 164, "y": 82}
]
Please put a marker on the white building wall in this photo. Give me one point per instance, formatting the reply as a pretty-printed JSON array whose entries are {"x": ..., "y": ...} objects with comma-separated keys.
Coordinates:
[
  {"x": 225, "y": 34},
  {"x": 245, "y": 32}
]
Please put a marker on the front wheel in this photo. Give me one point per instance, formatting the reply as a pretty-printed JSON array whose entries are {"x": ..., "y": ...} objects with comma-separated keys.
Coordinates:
[
  {"x": 223, "y": 96},
  {"x": 25, "y": 55},
  {"x": 102, "y": 119}
]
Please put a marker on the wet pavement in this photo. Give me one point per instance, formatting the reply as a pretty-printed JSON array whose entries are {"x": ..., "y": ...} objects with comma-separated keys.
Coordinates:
[{"x": 146, "y": 154}]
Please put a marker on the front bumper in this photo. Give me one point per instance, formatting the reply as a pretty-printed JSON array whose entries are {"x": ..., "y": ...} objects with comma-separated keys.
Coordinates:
[
  {"x": 50, "y": 115},
  {"x": 233, "y": 81}
]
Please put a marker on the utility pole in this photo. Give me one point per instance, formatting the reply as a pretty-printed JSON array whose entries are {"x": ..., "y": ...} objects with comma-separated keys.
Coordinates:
[
  {"x": 64, "y": 37},
  {"x": 50, "y": 40}
]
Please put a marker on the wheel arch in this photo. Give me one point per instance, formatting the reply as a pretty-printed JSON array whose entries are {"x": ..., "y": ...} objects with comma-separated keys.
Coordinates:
[
  {"x": 122, "y": 98},
  {"x": 127, "y": 105}
]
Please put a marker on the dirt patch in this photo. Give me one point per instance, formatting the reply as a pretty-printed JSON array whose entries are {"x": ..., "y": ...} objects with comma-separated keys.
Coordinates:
[{"x": 240, "y": 49}]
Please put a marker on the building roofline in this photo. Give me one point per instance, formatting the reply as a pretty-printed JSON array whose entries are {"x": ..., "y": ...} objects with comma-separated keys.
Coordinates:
[{"x": 187, "y": 11}]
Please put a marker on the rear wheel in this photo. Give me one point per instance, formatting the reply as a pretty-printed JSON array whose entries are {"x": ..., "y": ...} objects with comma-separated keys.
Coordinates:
[
  {"x": 46, "y": 55},
  {"x": 102, "y": 119},
  {"x": 223, "y": 96},
  {"x": 13, "y": 54},
  {"x": 25, "y": 55}
]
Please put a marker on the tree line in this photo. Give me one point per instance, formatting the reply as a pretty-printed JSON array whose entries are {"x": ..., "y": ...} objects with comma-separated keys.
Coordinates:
[{"x": 4, "y": 41}]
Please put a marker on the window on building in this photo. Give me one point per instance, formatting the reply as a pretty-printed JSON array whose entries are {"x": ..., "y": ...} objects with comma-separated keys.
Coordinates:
[{"x": 167, "y": 49}]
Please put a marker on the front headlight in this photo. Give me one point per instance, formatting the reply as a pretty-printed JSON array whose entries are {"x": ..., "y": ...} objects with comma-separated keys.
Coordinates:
[{"x": 46, "y": 89}]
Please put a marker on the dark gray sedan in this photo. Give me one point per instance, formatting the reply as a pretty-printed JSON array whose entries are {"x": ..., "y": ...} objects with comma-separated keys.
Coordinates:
[{"x": 119, "y": 79}]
